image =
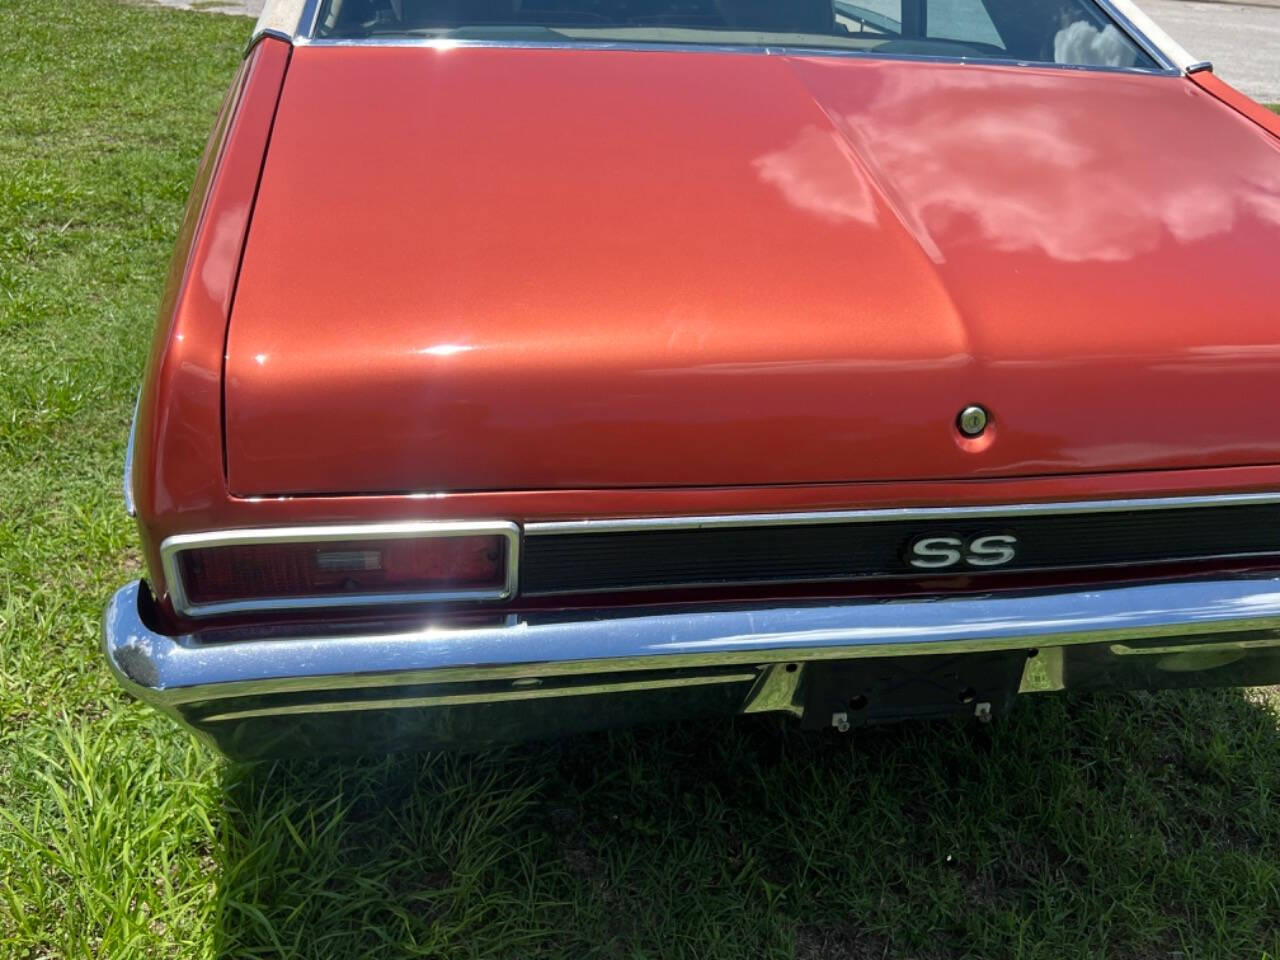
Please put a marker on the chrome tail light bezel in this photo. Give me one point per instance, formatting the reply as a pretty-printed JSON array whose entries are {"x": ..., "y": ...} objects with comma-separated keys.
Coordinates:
[{"x": 172, "y": 547}]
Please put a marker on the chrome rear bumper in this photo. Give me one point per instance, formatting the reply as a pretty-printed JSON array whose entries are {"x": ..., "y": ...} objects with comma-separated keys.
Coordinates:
[{"x": 257, "y": 695}]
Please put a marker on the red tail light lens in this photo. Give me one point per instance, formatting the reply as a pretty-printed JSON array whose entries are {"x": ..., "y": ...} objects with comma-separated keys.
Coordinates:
[{"x": 323, "y": 570}]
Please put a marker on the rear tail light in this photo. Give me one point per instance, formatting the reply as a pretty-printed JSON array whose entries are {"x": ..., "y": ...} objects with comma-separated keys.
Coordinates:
[{"x": 340, "y": 566}]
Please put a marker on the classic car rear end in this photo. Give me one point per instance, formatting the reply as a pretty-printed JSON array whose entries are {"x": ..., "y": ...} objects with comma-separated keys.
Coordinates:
[{"x": 537, "y": 366}]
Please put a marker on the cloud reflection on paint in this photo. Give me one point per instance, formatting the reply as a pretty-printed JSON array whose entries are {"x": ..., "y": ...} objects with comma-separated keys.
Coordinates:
[
  {"x": 817, "y": 172},
  {"x": 1048, "y": 169}
]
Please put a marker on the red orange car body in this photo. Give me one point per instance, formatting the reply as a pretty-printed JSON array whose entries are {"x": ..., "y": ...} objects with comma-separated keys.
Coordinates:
[{"x": 444, "y": 283}]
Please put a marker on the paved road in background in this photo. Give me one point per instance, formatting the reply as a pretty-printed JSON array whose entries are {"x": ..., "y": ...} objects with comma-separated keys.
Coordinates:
[
  {"x": 247, "y": 7},
  {"x": 1242, "y": 40}
]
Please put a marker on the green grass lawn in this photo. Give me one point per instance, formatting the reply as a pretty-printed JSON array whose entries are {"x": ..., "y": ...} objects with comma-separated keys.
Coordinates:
[{"x": 1128, "y": 826}]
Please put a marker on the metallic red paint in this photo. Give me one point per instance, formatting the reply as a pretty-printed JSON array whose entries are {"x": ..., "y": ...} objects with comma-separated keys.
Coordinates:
[
  {"x": 178, "y": 465},
  {"x": 1233, "y": 98},
  {"x": 502, "y": 269},
  {"x": 1168, "y": 363}
]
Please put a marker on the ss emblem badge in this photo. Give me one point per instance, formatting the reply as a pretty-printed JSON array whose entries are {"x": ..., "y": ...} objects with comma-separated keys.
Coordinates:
[{"x": 944, "y": 552}]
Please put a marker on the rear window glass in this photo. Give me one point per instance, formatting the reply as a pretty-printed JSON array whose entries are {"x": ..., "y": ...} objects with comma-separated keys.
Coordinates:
[{"x": 1069, "y": 32}]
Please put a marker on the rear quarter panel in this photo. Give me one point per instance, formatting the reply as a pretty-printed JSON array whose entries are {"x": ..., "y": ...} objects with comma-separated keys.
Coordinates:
[{"x": 177, "y": 469}]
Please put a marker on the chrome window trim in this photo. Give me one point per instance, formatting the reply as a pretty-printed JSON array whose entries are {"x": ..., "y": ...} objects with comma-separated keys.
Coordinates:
[
  {"x": 1147, "y": 33},
  {"x": 1126, "y": 15},
  {"x": 172, "y": 546},
  {"x": 1123, "y": 16},
  {"x": 309, "y": 18},
  {"x": 130, "y": 504},
  {"x": 773, "y": 50},
  {"x": 632, "y": 524}
]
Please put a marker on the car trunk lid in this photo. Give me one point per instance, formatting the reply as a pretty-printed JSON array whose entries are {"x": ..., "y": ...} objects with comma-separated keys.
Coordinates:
[{"x": 494, "y": 268}]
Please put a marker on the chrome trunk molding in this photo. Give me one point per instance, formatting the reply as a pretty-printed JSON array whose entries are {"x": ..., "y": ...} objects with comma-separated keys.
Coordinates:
[{"x": 995, "y": 511}]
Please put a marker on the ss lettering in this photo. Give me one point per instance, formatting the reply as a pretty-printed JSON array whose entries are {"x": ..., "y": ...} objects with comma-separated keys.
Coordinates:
[{"x": 940, "y": 553}]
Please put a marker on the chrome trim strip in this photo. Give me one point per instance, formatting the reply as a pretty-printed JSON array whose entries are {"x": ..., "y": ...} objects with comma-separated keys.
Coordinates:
[
  {"x": 308, "y": 19},
  {"x": 171, "y": 671},
  {"x": 1123, "y": 16},
  {"x": 172, "y": 546},
  {"x": 1147, "y": 33},
  {"x": 130, "y": 504},
  {"x": 451, "y": 699},
  {"x": 446, "y": 43},
  {"x": 282, "y": 18},
  {"x": 890, "y": 578},
  {"x": 297, "y": 20},
  {"x": 1200, "y": 66},
  {"x": 263, "y": 35},
  {"x": 777, "y": 50},
  {"x": 631, "y": 524}
]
